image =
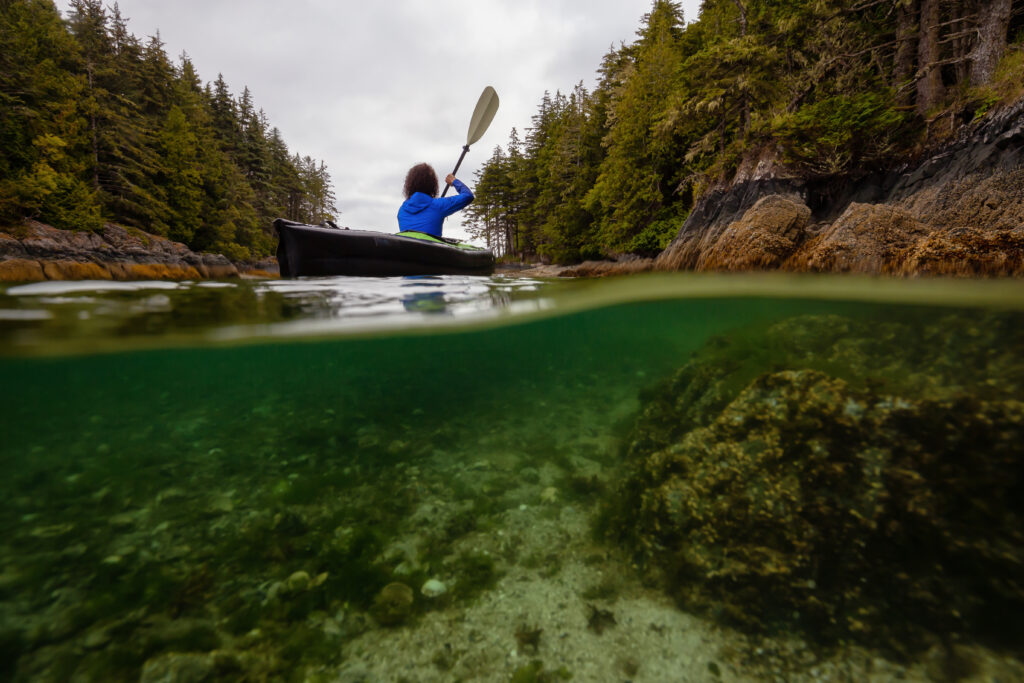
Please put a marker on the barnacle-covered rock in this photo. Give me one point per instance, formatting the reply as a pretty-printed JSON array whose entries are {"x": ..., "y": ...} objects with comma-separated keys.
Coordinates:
[{"x": 833, "y": 497}]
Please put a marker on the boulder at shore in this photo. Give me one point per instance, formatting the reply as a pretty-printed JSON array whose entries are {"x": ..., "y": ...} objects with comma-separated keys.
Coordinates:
[{"x": 39, "y": 252}]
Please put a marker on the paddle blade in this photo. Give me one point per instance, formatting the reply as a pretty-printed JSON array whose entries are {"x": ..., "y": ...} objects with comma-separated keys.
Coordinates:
[{"x": 486, "y": 108}]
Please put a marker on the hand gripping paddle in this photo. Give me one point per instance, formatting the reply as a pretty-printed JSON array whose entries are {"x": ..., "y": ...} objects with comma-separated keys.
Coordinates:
[{"x": 486, "y": 108}]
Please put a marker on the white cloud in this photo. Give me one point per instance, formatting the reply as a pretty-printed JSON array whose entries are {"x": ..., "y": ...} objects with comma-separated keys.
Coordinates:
[{"x": 374, "y": 87}]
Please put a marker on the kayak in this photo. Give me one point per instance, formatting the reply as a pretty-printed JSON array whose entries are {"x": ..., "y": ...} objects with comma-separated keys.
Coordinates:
[{"x": 328, "y": 250}]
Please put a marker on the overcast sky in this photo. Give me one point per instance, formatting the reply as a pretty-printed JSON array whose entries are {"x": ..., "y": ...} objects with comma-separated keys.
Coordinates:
[{"x": 373, "y": 87}]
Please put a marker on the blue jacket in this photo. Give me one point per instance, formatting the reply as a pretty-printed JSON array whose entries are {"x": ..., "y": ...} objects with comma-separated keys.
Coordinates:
[{"x": 424, "y": 213}]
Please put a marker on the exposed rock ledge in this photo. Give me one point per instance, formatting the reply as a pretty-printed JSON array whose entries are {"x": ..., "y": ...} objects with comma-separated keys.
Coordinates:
[
  {"x": 959, "y": 210},
  {"x": 40, "y": 252}
]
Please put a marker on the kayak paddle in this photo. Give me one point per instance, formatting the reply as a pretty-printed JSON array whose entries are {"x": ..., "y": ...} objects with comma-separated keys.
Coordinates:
[{"x": 486, "y": 108}]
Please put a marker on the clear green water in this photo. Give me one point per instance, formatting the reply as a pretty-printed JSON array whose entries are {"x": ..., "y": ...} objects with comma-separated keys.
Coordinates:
[{"x": 169, "y": 452}]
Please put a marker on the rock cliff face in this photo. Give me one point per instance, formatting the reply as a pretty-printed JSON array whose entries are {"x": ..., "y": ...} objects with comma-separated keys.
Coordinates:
[
  {"x": 46, "y": 253},
  {"x": 959, "y": 211}
]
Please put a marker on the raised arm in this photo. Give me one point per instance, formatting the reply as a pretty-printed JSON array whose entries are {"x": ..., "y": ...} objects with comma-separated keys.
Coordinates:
[{"x": 450, "y": 205}]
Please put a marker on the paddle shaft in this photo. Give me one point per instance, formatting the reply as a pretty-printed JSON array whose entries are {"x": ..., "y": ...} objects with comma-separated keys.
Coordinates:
[{"x": 465, "y": 148}]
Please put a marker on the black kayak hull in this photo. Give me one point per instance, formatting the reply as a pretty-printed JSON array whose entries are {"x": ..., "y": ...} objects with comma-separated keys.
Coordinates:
[{"x": 313, "y": 250}]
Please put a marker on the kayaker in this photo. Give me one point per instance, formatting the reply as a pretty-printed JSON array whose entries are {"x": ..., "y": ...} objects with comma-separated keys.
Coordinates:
[{"x": 423, "y": 210}]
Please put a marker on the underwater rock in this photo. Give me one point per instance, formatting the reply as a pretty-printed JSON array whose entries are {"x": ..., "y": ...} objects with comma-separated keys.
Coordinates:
[
  {"x": 528, "y": 638},
  {"x": 798, "y": 498},
  {"x": 220, "y": 504},
  {"x": 171, "y": 495},
  {"x": 433, "y": 588},
  {"x": 529, "y": 475},
  {"x": 124, "y": 520},
  {"x": 178, "y": 668},
  {"x": 298, "y": 581},
  {"x": 97, "y": 638},
  {"x": 393, "y": 604},
  {"x": 599, "y": 619},
  {"x": 191, "y": 635},
  {"x": 53, "y": 530}
]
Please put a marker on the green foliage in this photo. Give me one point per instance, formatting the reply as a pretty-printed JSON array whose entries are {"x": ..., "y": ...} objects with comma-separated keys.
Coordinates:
[
  {"x": 682, "y": 108},
  {"x": 182, "y": 178},
  {"x": 655, "y": 236},
  {"x": 71, "y": 205},
  {"x": 95, "y": 125},
  {"x": 1007, "y": 84},
  {"x": 843, "y": 132},
  {"x": 635, "y": 179}
]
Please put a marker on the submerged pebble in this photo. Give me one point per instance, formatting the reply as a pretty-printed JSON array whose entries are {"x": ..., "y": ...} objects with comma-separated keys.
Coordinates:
[
  {"x": 298, "y": 581},
  {"x": 434, "y": 588}
]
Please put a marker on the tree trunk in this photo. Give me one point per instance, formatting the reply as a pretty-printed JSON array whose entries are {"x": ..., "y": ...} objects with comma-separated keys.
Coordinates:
[
  {"x": 962, "y": 43},
  {"x": 743, "y": 17},
  {"x": 903, "y": 68},
  {"x": 993, "y": 23},
  {"x": 929, "y": 73}
]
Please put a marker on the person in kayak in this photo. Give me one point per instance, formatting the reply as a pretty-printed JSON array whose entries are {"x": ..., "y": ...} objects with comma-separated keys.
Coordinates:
[{"x": 423, "y": 210}]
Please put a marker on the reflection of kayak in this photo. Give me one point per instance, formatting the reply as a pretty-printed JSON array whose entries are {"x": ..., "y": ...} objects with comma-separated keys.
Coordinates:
[{"x": 320, "y": 250}]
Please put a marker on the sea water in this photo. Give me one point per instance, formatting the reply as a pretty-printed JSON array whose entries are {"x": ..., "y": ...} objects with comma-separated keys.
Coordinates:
[{"x": 425, "y": 478}]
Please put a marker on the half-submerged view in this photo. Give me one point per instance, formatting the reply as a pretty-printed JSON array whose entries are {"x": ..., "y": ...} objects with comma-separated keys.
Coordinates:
[{"x": 714, "y": 372}]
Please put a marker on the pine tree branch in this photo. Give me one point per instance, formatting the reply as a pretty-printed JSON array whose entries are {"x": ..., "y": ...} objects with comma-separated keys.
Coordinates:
[
  {"x": 958, "y": 20},
  {"x": 959, "y": 34}
]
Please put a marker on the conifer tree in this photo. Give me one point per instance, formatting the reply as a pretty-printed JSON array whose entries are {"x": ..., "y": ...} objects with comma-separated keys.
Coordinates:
[
  {"x": 635, "y": 182},
  {"x": 181, "y": 177},
  {"x": 43, "y": 134},
  {"x": 94, "y": 125}
]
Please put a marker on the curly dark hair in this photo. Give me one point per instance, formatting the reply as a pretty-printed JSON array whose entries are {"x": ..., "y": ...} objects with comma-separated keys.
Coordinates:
[{"x": 421, "y": 178}]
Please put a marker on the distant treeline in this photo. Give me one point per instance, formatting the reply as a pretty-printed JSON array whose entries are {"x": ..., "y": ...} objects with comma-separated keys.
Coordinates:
[
  {"x": 96, "y": 125},
  {"x": 828, "y": 87}
]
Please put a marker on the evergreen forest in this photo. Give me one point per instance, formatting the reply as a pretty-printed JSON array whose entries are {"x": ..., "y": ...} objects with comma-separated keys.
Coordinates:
[
  {"x": 827, "y": 88},
  {"x": 97, "y": 125}
]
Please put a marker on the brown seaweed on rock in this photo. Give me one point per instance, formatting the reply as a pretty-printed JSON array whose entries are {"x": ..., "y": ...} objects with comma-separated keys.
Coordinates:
[{"x": 847, "y": 479}]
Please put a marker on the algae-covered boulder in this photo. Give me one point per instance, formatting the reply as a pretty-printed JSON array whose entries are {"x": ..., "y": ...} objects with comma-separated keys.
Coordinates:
[
  {"x": 393, "y": 605},
  {"x": 849, "y": 479}
]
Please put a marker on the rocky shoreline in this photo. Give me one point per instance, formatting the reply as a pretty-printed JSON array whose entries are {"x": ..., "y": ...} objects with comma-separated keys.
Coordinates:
[
  {"x": 957, "y": 210},
  {"x": 36, "y": 252}
]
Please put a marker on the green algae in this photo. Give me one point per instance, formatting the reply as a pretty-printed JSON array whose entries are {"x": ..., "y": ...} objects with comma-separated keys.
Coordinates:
[
  {"x": 842, "y": 489},
  {"x": 476, "y": 572},
  {"x": 393, "y": 605},
  {"x": 535, "y": 672}
]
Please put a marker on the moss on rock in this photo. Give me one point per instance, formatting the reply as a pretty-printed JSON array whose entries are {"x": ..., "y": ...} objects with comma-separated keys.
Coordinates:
[{"x": 836, "y": 502}]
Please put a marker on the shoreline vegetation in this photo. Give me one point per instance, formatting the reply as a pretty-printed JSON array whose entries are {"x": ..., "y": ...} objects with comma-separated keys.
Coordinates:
[
  {"x": 879, "y": 142},
  {"x": 100, "y": 127},
  {"x": 798, "y": 135},
  {"x": 740, "y": 141}
]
